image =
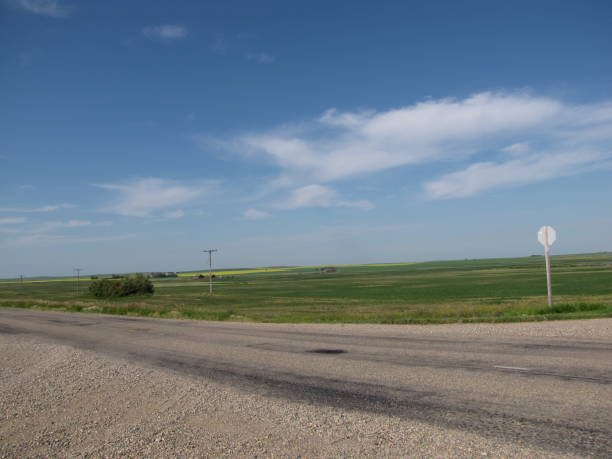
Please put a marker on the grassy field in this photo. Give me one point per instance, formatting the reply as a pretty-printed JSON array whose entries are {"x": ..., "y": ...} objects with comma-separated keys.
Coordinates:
[{"x": 488, "y": 290}]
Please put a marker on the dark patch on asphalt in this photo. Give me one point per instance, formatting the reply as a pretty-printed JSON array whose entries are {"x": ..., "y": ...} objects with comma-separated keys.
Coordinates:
[
  {"x": 127, "y": 319},
  {"x": 327, "y": 351},
  {"x": 5, "y": 329},
  {"x": 71, "y": 322}
]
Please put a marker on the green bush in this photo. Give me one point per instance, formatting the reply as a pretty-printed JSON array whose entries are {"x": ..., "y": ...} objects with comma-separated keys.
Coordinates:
[{"x": 133, "y": 285}]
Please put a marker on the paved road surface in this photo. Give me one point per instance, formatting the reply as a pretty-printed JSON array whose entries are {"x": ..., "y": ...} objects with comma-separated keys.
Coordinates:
[{"x": 545, "y": 385}]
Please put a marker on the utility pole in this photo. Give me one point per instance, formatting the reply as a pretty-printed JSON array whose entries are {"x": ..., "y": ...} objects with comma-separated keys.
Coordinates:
[
  {"x": 21, "y": 278},
  {"x": 210, "y": 252},
  {"x": 78, "y": 271}
]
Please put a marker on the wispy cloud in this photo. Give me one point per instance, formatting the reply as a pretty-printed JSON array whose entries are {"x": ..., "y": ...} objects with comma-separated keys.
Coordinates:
[
  {"x": 517, "y": 149},
  {"x": 254, "y": 214},
  {"x": 46, "y": 227},
  {"x": 496, "y": 125},
  {"x": 318, "y": 196},
  {"x": 175, "y": 214},
  {"x": 166, "y": 31},
  {"x": 12, "y": 220},
  {"x": 260, "y": 58},
  {"x": 47, "y": 208},
  {"x": 482, "y": 176},
  {"x": 52, "y": 8},
  {"x": 147, "y": 197},
  {"x": 50, "y": 226}
]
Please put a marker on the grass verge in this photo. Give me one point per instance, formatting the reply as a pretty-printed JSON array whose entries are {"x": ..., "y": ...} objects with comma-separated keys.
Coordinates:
[{"x": 565, "y": 311}]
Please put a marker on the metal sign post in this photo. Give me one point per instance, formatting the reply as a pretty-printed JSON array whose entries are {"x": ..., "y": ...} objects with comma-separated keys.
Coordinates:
[{"x": 547, "y": 236}]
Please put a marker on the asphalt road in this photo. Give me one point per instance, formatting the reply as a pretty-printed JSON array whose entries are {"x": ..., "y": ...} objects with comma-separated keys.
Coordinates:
[{"x": 514, "y": 383}]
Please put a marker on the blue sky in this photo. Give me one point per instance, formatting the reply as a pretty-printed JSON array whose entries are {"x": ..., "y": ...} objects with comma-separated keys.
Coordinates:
[{"x": 134, "y": 134}]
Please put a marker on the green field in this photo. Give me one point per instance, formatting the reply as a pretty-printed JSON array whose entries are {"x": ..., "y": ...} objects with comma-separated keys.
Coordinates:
[{"x": 487, "y": 290}]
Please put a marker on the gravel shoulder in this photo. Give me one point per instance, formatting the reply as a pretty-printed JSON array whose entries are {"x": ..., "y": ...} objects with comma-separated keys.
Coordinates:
[
  {"x": 596, "y": 329},
  {"x": 58, "y": 401}
]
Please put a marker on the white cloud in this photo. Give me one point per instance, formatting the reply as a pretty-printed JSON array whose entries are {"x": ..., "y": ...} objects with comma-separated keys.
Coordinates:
[
  {"x": 145, "y": 197},
  {"x": 310, "y": 196},
  {"x": 166, "y": 31},
  {"x": 486, "y": 175},
  {"x": 260, "y": 58},
  {"x": 318, "y": 196},
  {"x": 47, "y": 208},
  {"x": 175, "y": 214},
  {"x": 50, "y": 226},
  {"x": 254, "y": 214},
  {"x": 344, "y": 145},
  {"x": 12, "y": 220},
  {"x": 51, "y": 8},
  {"x": 46, "y": 227},
  {"x": 517, "y": 149}
]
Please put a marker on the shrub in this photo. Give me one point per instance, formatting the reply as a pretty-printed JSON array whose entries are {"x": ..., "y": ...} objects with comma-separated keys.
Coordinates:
[
  {"x": 571, "y": 307},
  {"x": 133, "y": 285}
]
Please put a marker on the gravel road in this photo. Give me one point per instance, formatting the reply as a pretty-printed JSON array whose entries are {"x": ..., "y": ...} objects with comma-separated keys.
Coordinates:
[{"x": 93, "y": 385}]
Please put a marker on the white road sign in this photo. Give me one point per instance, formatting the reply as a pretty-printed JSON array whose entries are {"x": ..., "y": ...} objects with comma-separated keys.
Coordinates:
[{"x": 547, "y": 236}]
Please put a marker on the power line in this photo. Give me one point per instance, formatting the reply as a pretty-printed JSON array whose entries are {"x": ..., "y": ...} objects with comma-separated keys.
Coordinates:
[{"x": 210, "y": 252}]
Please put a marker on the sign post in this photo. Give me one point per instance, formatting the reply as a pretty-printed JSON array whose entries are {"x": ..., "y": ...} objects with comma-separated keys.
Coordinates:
[{"x": 547, "y": 236}]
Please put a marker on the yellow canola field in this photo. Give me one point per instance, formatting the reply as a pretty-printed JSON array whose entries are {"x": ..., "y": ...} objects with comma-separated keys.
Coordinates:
[{"x": 236, "y": 272}]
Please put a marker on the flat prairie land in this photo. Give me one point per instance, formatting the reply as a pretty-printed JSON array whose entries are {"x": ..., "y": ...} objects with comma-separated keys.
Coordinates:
[{"x": 486, "y": 290}]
